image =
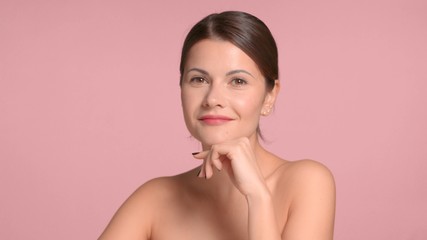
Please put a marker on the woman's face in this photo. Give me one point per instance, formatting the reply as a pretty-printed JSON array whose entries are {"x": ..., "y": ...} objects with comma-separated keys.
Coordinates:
[{"x": 223, "y": 93}]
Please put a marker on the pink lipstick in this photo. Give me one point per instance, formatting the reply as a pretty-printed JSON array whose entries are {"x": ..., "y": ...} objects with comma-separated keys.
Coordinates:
[{"x": 215, "y": 119}]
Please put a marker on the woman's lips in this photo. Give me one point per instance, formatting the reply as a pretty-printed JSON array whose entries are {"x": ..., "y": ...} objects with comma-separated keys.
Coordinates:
[{"x": 215, "y": 119}]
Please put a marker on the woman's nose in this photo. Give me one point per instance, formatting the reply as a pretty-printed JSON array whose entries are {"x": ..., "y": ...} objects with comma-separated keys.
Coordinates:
[{"x": 214, "y": 96}]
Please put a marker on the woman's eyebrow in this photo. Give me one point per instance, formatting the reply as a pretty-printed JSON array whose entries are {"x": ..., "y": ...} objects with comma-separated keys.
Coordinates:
[
  {"x": 239, "y": 71},
  {"x": 198, "y": 70},
  {"x": 228, "y": 73}
]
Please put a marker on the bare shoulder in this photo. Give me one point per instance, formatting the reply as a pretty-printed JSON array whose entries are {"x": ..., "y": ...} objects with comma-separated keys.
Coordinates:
[
  {"x": 134, "y": 219},
  {"x": 156, "y": 188},
  {"x": 307, "y": 178},
  {"x": 308, "y": 170},
  {"x": 310, "y": 186}
]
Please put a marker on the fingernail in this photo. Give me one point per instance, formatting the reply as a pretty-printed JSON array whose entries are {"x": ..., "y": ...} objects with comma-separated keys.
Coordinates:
[{"x": 195, "y": 153}]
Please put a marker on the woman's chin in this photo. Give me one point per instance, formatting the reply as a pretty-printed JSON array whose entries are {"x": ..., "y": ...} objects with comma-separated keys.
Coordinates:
[{"x": 211, "y": 140}]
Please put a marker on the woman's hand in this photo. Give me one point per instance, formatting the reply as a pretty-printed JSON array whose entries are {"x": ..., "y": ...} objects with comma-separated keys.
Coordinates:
[{"x": 238, "y": 159}]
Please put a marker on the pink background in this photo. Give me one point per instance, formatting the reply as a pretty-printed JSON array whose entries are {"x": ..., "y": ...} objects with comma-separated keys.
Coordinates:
[{"x": 90, "y": 109}]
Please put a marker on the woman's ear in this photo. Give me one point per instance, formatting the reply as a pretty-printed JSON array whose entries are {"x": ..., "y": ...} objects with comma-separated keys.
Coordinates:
[{"x": 270, "y": 99}]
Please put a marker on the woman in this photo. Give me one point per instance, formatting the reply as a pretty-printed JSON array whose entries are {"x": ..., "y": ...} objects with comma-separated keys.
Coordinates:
[{"x": 229, "y": 79}]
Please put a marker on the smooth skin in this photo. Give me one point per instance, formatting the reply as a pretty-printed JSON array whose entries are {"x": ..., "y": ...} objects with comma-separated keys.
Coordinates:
[{"x": 240, "y": 191}]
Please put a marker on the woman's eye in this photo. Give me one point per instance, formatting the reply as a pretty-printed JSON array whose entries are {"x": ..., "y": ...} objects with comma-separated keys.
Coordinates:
[
  {"x": 198, "y": 80},
  {"x": 238, "y": 82}
]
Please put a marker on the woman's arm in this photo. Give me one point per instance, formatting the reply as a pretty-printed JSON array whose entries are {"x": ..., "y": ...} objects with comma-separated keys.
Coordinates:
[
  {"x": 262, "y": 222},
  {"x": 312, "y": 210},
  {"x": 133, "y": 219},
  {"x": 238, "y": 159},
  {"x": 311, "y": 189}
]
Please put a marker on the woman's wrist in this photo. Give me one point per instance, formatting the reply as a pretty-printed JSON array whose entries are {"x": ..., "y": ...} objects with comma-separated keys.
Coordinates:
[{"x": 261, "y": 197}]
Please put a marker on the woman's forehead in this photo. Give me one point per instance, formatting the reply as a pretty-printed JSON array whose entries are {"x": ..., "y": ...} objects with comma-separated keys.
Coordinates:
[{"x": 212, "y": 54}]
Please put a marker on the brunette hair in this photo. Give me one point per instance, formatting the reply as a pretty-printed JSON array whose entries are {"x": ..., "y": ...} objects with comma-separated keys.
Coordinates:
[{"x": 246, "y": 32}]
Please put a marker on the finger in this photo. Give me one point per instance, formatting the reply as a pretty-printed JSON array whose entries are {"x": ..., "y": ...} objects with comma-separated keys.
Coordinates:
[
  {"x": 208, "y": 166},
  {"x": 217, "y": 163},
  {"x": 215, "y": 158},
  {"x": 200, "y": 155},
  {"x": 202, "y": 172},
  {"x": 208, "y": 171}
]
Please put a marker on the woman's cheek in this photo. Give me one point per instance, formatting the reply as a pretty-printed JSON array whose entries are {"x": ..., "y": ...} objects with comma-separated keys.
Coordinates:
[{"x": 248, "y": 105}]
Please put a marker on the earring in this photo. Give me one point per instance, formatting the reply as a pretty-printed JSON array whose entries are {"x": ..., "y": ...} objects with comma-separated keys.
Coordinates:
[{"x": 266, "y": 111}]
